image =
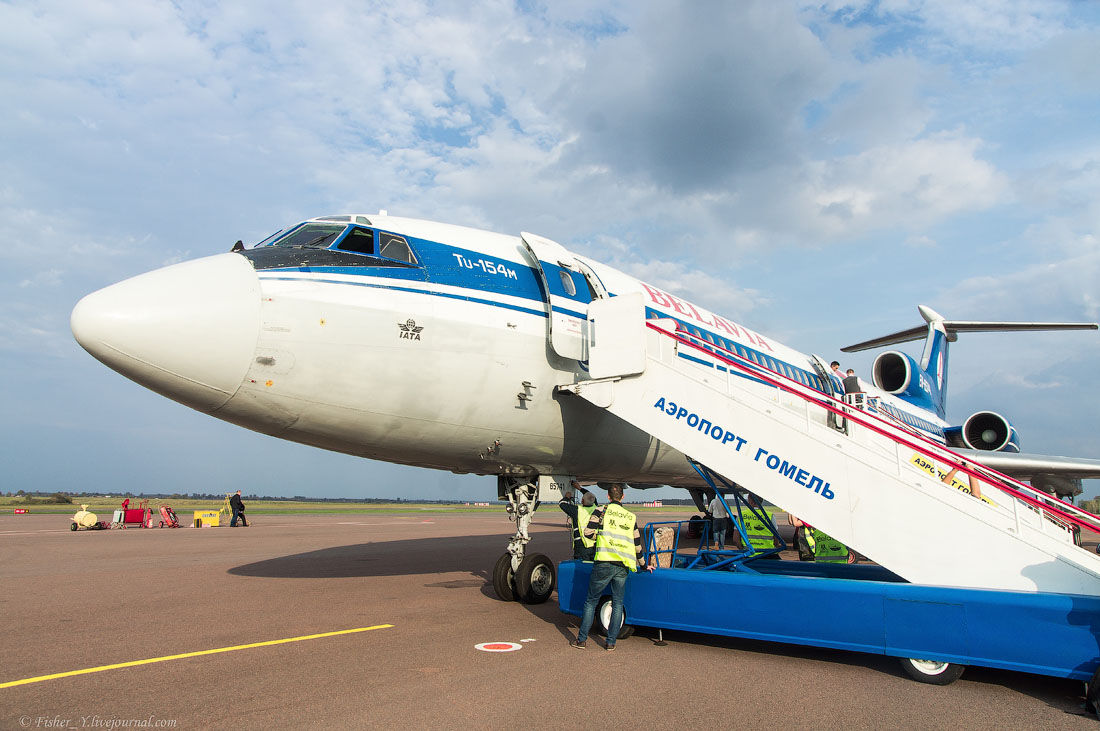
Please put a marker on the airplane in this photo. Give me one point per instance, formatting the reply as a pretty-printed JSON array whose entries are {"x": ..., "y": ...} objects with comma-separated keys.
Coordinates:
[{"x": 440, "y": 346}]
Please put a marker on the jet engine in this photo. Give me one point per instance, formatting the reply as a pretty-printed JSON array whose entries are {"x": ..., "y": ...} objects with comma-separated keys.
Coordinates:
[
  {"x": 898, "y": 374},
  {"x": 1064, "y": 488},
  {"x": 985, "y": 430}
]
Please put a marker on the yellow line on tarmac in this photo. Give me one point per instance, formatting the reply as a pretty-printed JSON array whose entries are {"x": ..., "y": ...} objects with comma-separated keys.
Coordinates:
[{"x": 133, "y": 663}]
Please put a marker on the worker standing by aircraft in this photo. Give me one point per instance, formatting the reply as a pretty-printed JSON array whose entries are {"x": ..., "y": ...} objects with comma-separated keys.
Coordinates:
[
  {"x": 238, "y": 510},
  {"x": 584, "y": 548},
  {"x": 614, "y": 528},
  {"x": 719, "y": 521}
]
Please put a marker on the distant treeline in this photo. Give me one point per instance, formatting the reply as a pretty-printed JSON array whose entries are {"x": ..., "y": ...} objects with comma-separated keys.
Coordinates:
[{"x": 70, "y": 496}]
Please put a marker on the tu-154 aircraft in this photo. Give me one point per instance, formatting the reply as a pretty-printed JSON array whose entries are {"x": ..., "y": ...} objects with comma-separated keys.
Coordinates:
[{"x": 441, "y": 346}]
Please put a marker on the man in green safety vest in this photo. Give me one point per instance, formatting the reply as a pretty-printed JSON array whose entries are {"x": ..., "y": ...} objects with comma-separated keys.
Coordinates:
[
  {"x": 618, "y": 553},
  {"x": 584, "y": 548},
  {"x": 760, "y": 535},
  {"x": 824, "y": 547}
]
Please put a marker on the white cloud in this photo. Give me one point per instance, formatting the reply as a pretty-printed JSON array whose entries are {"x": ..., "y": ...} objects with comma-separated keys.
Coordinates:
[
  {"x": 912, "y": 184},
  {"x": 695, "y": 145},
  {"x": 714, "y": 293},
  {"x": 44, "y": 278},
  {"x": 987, "y": 24}
]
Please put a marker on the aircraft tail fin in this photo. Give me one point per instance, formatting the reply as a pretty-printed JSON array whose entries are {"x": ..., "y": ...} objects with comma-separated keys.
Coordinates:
[{"x": 939, "y": 332}]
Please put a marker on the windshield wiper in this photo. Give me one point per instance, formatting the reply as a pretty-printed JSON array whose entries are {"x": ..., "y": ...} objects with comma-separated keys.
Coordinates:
[{"x": 319, "y": 239}]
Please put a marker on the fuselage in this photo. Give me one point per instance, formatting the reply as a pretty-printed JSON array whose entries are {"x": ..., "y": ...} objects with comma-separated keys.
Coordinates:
[{"x": 411, "y": 342}]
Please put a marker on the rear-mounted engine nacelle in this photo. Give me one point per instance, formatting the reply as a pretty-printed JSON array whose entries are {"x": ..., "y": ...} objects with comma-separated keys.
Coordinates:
[
  {"x": 985, "y": 430},
  {"x": 897, "y": 373}
]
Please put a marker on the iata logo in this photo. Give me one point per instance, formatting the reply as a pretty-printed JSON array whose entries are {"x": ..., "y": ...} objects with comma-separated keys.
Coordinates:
[{"x": 409, "y": 330}]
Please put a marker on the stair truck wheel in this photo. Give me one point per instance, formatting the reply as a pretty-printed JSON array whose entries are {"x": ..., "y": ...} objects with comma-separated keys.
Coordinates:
[
  {"x": 933, "y": 672},
  {"x": 603, "y": 619},
  {"x": 1092, "y": 693},
  {"x": 504, "y": 582},
  {"x": 536, "y": 579}
]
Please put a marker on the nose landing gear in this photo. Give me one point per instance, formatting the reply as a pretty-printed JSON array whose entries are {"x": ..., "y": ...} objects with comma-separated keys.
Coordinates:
[{"x": 532, "y": 578}]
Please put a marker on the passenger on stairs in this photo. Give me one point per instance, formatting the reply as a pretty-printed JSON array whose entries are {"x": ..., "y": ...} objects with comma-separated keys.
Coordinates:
[
  {"x": 975, "y": 488},
  {"x": 837, "y": 375},
  {"x": 851, "y": 383}
]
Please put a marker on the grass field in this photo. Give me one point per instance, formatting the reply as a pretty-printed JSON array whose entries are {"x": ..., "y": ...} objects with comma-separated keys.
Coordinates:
[{"x": 104, "y": 507}]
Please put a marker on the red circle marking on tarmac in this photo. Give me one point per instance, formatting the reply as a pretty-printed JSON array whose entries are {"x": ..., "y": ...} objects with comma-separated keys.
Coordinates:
[{"x": 498, "y": 646}]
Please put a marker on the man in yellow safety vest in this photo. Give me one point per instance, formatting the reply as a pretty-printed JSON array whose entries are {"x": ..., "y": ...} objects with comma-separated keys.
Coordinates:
[
  {"x": 584, "y": 548},
  {"x": 618, "y": 553},
  {"x": 760, "y": 535},
  {"x": 825, "y": 548}
]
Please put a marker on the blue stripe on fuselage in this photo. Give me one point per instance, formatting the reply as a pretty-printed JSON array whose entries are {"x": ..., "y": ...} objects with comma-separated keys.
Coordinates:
[
  {"x": 467, "y": 269},
  {"x": 430, "y": 292}
]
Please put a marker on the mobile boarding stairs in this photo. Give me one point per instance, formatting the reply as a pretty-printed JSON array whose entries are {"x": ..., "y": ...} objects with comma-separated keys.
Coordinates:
[{"x": 870, "y": 481}]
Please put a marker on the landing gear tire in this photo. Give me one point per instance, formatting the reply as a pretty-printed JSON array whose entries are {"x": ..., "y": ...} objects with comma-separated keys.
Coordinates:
[
  {"x": 932, "y": 672},
  {"x": 504, "y": 580},
  {"x": 535, "y": 579},
  {"x": 1092, "y": 694},
  {"x": 603, "y": 620},
  {"x": 73, "y": 526}
]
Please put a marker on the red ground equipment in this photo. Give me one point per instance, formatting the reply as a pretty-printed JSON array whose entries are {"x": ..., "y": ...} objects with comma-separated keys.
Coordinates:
[
  {"x": 141, "y": 516},
  {"x": 168, "y": 517}
]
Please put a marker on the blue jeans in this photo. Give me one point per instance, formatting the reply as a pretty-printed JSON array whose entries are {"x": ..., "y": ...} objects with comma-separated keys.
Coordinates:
[
  {"x": 237, "y": 514},
  {"x": 604, "y": 573},
  {"x": 719, "y": 532}
]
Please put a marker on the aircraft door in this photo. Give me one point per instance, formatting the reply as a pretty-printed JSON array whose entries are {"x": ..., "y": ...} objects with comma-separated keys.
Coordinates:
[
  {"x": 566, "y": 292},
  {"x": 833, "y": 387}
]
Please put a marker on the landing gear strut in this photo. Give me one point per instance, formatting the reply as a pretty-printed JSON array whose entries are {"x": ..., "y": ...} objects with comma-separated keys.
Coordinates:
[{"x": 530, "y": 578}]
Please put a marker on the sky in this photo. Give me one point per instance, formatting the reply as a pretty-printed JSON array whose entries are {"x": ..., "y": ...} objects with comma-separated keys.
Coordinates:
[{"x": 811, "y": 170}]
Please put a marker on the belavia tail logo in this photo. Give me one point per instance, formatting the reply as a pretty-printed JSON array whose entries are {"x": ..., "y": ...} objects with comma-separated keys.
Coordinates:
[{"x": 409, "y": 330}]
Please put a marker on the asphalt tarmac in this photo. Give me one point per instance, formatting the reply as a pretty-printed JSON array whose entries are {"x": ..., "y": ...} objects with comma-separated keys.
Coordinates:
[{"x": 418, "y": 590}]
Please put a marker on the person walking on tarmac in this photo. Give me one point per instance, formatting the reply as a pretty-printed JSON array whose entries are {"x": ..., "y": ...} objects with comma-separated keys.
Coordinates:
[
  {"x": 719, "y": 521},
  {"x": 584, "y": 548},
  {"x": 238, "y": 510},
  {"x": 618, "y": 553}
]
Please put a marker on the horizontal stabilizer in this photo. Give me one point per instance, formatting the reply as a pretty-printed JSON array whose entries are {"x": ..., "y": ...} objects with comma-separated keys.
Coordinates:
[{"x": 953, "y": 327}]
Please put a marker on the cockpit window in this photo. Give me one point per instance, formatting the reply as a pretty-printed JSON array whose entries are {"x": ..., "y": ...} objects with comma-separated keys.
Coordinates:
[
  {"x": 359, "y": 240},
  {"x": 395, "y": 247},
  {"x": 318, "y": 235}
]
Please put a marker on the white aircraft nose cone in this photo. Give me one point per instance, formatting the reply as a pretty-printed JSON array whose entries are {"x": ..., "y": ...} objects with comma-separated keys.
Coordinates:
[{"x": 187, "y": 331}]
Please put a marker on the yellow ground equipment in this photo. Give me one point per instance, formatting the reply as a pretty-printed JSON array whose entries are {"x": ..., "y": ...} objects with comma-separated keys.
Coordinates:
[
  {"x": 207, "y": 518},
  {"x": 84, "y": 519}
]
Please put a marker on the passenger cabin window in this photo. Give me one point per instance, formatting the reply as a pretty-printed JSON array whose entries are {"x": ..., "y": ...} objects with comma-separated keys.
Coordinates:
[
  {"x": 567, "y": 283},
  {"x": 359, "y": 240},
  {"x": 319, "y": 235},
  {"x": 395, "y": 247}
]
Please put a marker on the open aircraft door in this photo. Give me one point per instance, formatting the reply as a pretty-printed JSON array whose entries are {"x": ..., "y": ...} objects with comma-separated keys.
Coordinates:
[
  {"x": 567, "y": 287},
  {"x": 831, "y": 385}
]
